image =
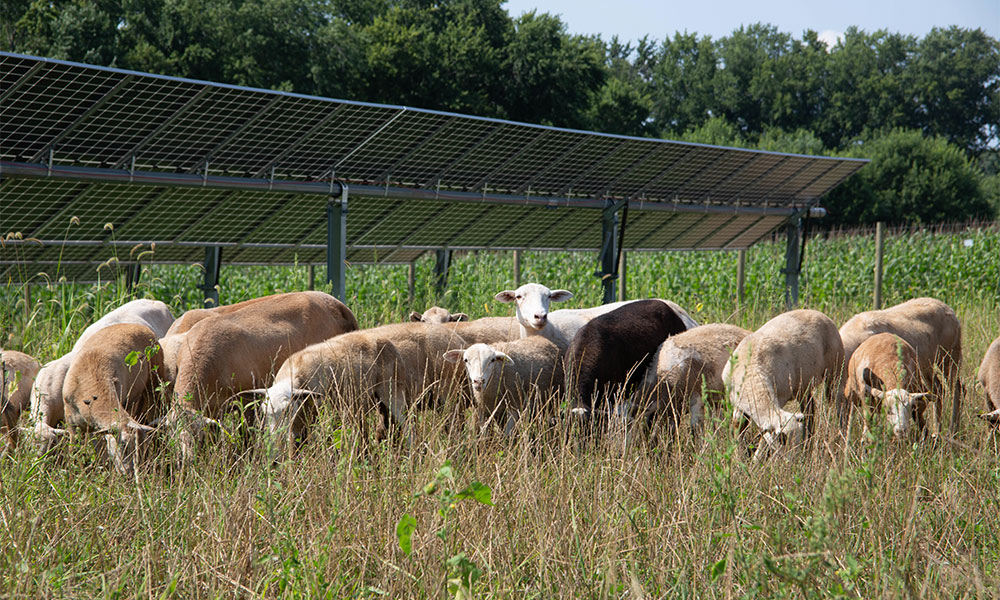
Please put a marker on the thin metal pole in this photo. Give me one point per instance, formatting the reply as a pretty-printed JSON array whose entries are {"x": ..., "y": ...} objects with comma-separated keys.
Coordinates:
[
  {"x": 517, "y": 268},
  {"x": 621, "y": 277},
  {"x": 411, "y": 281},
  {"x": 741, "y": 275},
  {"x": 312, "y": 276},
  {"x": 879, "y": 243}
]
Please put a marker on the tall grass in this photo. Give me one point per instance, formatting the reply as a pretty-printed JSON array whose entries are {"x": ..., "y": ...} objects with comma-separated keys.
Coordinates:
[{"x": 870, "y": 518}]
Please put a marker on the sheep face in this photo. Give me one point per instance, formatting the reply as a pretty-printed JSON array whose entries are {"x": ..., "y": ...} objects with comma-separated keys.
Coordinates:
[
  {"x": 899, "y": 405},
  {"x": 437, "y": 315},
  {"x": 482, "y": 363},
  {"x": 792, "y": 431},
  {"x": 531, "y": 302}
]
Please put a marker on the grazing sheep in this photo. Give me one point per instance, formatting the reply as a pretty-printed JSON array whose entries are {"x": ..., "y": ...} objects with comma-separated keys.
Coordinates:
[
  {"x": 357, "y": 368},
  {"x": 47, "y": 412},
  {"x": 989, "y": 378},
  {"x": 506, "y": 376},
  {"x": 438, "y": 316},
  {"x": 932, "y": 328},
  {"x": 783, "y": 360},
  {"x": 17, "y": 376},
  {"x": 225, "y": 354},
  {"x": 688, "y": 366},
  {"x": 413, "y": 351},
  {"x": 103, "y": 393},
  {"x": 884, "y": 370},
  {"x": 612, "y": 351}
]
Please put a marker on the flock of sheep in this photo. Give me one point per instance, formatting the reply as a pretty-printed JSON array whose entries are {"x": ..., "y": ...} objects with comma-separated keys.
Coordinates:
[{"x": 279, "y": 358}]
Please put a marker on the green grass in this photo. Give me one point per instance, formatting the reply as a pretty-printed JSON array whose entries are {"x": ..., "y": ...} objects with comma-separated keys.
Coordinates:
[{"x": 872, "y": 518}]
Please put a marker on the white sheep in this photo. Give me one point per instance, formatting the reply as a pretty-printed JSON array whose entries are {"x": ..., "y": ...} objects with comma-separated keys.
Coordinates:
[{"x": 507, "y": 377}]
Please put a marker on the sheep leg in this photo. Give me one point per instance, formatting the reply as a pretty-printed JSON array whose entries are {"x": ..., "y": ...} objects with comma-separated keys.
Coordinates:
[{"x": 697, "y": 408}]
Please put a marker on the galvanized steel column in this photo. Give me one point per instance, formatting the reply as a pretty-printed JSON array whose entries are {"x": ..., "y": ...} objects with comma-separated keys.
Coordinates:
[
  {"x": 793, "y": 233},
  {"x": 609, "y": 250},
  {"x": 336, "y": 244},
  {"x": 213, "y": 264},
  {"x": 441, "y": 266}
]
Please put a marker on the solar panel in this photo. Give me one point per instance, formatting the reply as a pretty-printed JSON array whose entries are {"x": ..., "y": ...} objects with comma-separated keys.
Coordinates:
[{"x": 95, "y": 162}]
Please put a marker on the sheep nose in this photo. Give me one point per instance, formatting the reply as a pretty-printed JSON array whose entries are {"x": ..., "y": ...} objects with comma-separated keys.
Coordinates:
[
  {"x": 477, "y": 384},
  {"x": 88, "y": 401},
  {"x": 541, "y": 318}
]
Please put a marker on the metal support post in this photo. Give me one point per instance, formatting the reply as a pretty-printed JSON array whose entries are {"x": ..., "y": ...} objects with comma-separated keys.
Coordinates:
[
  {"x": 621, "y": 276},
  {"x": 311, "y": 275},
  {"x": 609, "y": 249},
  {"x": 879, "y": 244},
  {"x": 336, "y": 244},
  {"x": 441, "y": 266},
  {"x": 411, "y": 281},
  {"x": 213, "y": 265},
  {"x": 793, "y": 233},
  {"x": 741, "y": 276},
  {"x": 517, "y": 268}
]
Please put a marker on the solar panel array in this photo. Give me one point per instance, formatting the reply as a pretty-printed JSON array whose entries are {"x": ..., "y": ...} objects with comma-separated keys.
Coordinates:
[{"x": 418, "y": 179}]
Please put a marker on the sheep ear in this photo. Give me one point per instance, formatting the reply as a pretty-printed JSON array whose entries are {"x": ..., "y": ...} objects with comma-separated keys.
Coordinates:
[
  {"x": 506, "y": 296},
  {"x": 993, "y": 417},
  {"x": 876, "y": 392},
  {"x": 454, "y": 356},
  {"x": 869, "y": 378},
  {"x": 919, "y": 395},
  {"x": 300, "y": 394},
  {"x": 504, "y": 357},
  {"x": 458, "y": 317},
  {"x": 415, "y": 316},
  {"x": 560, "y": 295}
]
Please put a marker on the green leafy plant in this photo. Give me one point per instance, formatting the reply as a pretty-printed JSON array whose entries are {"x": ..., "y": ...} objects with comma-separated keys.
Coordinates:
[{"x": 462, "y": 572}]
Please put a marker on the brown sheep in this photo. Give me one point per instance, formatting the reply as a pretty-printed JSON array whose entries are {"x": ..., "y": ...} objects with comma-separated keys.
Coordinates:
[
  {"x": 884, "y": 370},
  {"x": 228, "y": 353},
  {"x": 17, "y": 376},
  {"x": 932, "y": 328},
  {"x": 105, "y": 391}
]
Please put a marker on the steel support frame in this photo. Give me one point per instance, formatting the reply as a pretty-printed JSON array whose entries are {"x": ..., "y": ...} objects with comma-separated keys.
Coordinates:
[
  {"x": 213, "y": 265},
  {"x": 793, "y": 248},
  {"x": 609, "y": 249},
  {"x": 442, "y": 264},
  {"x": 336, "y": 244}
]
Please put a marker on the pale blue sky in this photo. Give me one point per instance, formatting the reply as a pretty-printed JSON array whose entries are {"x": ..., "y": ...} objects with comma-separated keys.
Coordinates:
[{"x": 631, "y": 19}]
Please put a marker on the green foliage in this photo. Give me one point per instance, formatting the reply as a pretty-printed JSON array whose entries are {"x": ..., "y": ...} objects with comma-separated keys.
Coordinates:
[
  {"x": 461, "y": 572},
  {"x": 911, "y": 179}
]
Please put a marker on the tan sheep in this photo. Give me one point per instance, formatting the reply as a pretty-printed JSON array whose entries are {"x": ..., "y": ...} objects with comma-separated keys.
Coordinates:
[
  {"x": 687, "y": 369},
  {"x": 932, "y": 328},
  {"x": 884, "y": 370},
  {"x": 47, "y": 411},
  {"x": 989, "y": 378},
  {"x": 228, "y": 353},
  {"x": 106, "y": 392},
  {"x": 783, "y": 360},
  {"x": 17, "y": 377}
]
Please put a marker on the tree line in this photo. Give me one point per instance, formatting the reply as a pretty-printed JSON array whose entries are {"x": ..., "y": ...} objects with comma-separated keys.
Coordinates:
[{"x": 926, "y": 110}]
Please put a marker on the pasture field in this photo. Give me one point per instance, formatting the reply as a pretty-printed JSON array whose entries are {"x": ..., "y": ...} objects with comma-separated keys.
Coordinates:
[{"x": 542, "y": 515}]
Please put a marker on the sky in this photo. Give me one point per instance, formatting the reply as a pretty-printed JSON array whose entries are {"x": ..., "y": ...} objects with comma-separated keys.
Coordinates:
[{"x": 631, "y": 19}]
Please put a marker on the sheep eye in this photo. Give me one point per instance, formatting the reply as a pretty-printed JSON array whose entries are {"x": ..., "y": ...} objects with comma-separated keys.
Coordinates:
[{"x": 466, "y": 360}]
